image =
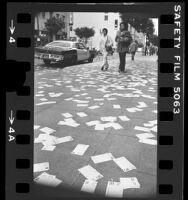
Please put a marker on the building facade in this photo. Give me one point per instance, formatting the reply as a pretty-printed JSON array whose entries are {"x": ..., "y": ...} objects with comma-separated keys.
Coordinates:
[{"x": 42, "y": 17}]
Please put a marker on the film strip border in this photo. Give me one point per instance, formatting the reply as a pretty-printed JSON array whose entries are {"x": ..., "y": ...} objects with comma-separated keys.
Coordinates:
[{"x": 19, "y": 108}]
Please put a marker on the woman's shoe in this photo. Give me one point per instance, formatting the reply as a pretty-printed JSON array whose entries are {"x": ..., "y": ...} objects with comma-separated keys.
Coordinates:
[{"x": 102, "y": 68}]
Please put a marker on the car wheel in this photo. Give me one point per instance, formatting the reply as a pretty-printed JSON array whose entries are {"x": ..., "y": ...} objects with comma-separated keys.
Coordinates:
[
  {"x": 47, "y": 62},
  {"x": 90, "y": 60}
]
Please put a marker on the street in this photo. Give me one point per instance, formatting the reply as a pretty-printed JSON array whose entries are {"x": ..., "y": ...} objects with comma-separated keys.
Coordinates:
[{"x": 104, "y": 113}]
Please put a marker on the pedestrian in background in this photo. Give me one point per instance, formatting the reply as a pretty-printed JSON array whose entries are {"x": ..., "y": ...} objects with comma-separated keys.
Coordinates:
[
  {"x": 123, "y": 39},
  {"x": 133, "y": 48},
  {"x": 105, "y": 46}
]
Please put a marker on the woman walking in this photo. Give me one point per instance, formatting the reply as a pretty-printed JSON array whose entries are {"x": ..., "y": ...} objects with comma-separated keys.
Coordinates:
[
  {"x": 123, "y": 39},
  {"x": 105, "y": 46},
  {"x": 133, "y": 48}
]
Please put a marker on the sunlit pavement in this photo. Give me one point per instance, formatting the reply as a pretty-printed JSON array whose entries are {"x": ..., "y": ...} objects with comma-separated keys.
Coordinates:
[{"x": 62, "y": 94}]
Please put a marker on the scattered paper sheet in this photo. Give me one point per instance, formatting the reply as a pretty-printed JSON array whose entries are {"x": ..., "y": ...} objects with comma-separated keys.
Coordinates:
[
  {"x": 36, "y": 127},
  {"x": 148, "y": 141},
  {"x": 44, "y": 99},
  {"x": 114, "y": 189},
  {"x": 140, "y": 128},
  {"x": 39, "y": 167},
  {"x": 124, "y": 164},
  {"x": 82, "y": 105},
  {"x": 116, "y": 106},
  {"x": 154, "y": 129},
  {"x": 64, "y": 139},
  {"x": 99, "y": 127},
  {"x": 47, "y": 130},
  {"x": 81, "y": 114},
  {"x": 46, "y": 102},
  {"x": 48, "y": 148},
  {"x": 93, "y": 107},
  {"x": 67, "y": 115},
  {"x": 69, "y": 122},
  {"x": 110, "y": 119},
  {"x": 39, "y": 95},
  {"x": 80, "y": 149},
  {"x": 154, "y": 111},
  {"x": 145, "y": 135},
  {"x": 92, "y": 123},
  {"x": 131, "y": 182},
  {"x": 102, "y": 158},
  {"x": 47, "y": 179},
  {"x": 116, "y": 126},
  {"x": 90, "y": 173},
  {"x": 141, "y": 105},
  {"x": 124, "y": 118},
  {"x": 89, "y": 186}
]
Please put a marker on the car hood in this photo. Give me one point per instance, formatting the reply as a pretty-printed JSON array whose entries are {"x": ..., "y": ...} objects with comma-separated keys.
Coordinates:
[{"x": 52, "y": 49}]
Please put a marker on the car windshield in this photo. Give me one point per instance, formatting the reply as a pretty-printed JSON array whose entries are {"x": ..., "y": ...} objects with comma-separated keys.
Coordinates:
[{"x": 60, "y": 44}]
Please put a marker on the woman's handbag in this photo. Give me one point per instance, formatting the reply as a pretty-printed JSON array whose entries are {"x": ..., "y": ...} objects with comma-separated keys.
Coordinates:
[{"x": 108, "y": 48}]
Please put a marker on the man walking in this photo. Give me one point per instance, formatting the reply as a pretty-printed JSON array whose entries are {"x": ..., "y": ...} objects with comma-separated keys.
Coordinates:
[{"x": 133, "y": 48}]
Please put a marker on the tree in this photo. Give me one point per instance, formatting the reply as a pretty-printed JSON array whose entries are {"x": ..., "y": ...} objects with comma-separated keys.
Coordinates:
[
  {"x": 53, "y": 25},
  {"x": 84, "y": 33},
  {"x": 139, "y": 22},
  {"x": 153, "y": 39}
]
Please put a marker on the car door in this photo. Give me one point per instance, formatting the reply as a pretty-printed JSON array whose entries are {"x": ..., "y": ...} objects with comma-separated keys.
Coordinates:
[{"x": 84, "y": 52}]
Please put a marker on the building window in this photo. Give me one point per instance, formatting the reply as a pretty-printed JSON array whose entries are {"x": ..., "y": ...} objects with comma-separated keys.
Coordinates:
[{"x": 106, "y": 18}]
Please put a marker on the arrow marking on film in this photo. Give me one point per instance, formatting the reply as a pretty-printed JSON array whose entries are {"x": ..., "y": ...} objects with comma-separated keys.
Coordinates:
[
  {"x": 12, "y": 28},
  {"x": 11, "y": 118}
]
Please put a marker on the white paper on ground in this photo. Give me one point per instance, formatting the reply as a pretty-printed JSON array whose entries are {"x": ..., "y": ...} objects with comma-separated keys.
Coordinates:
[
  {"x": 44, "y": 99},
  {"x": 39, "y": 92},
  {"x": 98, "y": 99},
  {"x": 99, "y": 127},
  {"x": 48, "y": 148},
  {"x": 67, "y": 115},
  {"x": 116, "y": 126},
  {"x": 92, "y": 123},
  {"x": 124, "y": 118},
  {"x": 89, "y": 186},
  {"x": 48, "y": 180},
  {"x": 39, "y": 95},
  {"x": 153, "y": 122},
  {"x": 131, "y": 110},
  {"x": 82, "y": 105},
  {"x": 80, "y": 149},
  {"x": 154, "y": 111},
  {"x": 47, "y": 130},
  {"x": 81, "y": 102},
  {"x": 68, "y": 123},
  {"x": 45, "y": 138},
  {"x": 110, "y": 119},
  {"x": 46, "y": 102},
  {"x": 148, "y": 141},
  {"x": 124, "y": 164},
  {"x": 145, "y": 135},
  {"x": 39, "y": 167},
  {"x": 90, "y": 173},
  {"x": 131, "y": 182},
  {"x": 148, "y": 124},
  {"x": 154, "y": 129},
  {"x": 36, "y": 127},
  {"x": 114, "y": 189},
  {"x": 93, "y": 107},
  {"x": 102, "y": 158},
  {"x": 111, "y": 99},
  {"x": 116, "y": 106},
  {"x": 141, "y": 105},
  {"x": 81, "y": 114},
  {"x": 64, "y": 139},
  {"x": 140, "y": 128}
]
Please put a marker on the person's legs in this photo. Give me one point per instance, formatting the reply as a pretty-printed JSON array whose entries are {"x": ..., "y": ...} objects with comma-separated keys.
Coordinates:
[
  {"x": 120, "y": 61},
  {"x": 123, "y": 61},
  {"x": 104, "y": 60}
]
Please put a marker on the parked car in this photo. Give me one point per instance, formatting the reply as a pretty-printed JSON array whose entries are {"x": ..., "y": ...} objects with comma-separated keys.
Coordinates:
[{"x": 64, "y": 51}]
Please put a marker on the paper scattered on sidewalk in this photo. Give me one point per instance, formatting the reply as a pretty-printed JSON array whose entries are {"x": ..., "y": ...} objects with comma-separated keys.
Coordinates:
[
  {"x": 47, "y": 179},
  {"x": 44, "y": 99},
  {"x": 148, "y": 141},
  {"x": 92, "y": 123},
  {"x": 64, "y": 139},
  {"x": 124, "y": 164},
  {"x": 154, "y": 111},
  {"x": 131, "y": 182},
  {"x": 69, "y": 122},
  {"x": 82, "y": 105},
  {"x": 80, "y": 149},
  {"x": 154, "y": 129},
  {"x": 81, "y": 114},
  {"x": 89, "y": 186},
  {"x": 110, "y": 119},
  {"x": 39, "y": 167},
  {"x": 46, "y": 102},
  {"x": 99, "y": 127},
  {"x": 93, "y": 107},
  {"x": 39, "y": 95},
  {"x": 36, "y": 127},
  {"x": 114, "y": 189},
  {"x": 67, "y": 115},
  {"x": 90, "y": 173},
  {"x": 102, "y": 158},
  {"x": 116, "y": 106},
  {"x": 124, "y": 118},
  {"x": 140, "y": 128},
  {"x": 134, "y": 109},
  {"x": 141, "y": 105},
  {"x": 145, "y": 135},
  {"x": 47, "y": 130},
  {"x": 48, "y": 148}
]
